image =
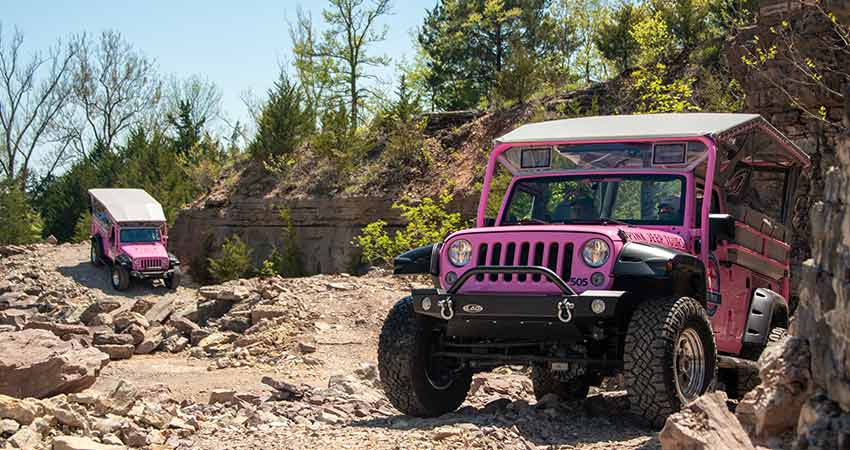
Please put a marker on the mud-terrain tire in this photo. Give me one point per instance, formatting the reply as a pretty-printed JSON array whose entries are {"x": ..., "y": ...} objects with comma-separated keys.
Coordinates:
[
  {"x": 96, "y": 252},
  {"x": 545, "y": 382},
  {"x": 664, "y": 341},
  {"x": 119, "y": 277},
  {"x": 171, "y": 282},
  {"x": 404, "y": 353}
]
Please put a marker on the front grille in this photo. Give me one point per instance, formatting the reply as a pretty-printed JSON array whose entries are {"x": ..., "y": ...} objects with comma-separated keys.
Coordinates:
[
  {"x": 151, "y": 263},
  {"x": 556, "y": 256}
]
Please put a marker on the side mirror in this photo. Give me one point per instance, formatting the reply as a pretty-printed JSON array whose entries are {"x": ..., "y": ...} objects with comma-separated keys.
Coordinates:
[{"x": 721, "y": 228}]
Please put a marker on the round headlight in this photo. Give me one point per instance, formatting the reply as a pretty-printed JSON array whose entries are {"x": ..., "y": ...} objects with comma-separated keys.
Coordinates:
[
  {"x": 595, "y": 252},
  {"x": 460, "y": 252}
]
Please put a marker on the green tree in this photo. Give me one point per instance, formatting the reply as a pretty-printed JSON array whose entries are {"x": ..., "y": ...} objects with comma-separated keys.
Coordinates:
[
  {"x": 615, "y": 40},
  {"x": 19, "y": 223},
  {"x": 284, "y": 122},
  {"x": 520, "y": 78},
  {"x": 233, "y": 262},
  {"x": 467, "y": 43},
  {"x": 351, "y": 30}
]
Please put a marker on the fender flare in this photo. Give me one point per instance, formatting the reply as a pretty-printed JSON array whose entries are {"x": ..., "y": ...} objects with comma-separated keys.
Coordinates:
[
  {"x": 638, "y": 261},
  {"x": 765, "y": 306}
]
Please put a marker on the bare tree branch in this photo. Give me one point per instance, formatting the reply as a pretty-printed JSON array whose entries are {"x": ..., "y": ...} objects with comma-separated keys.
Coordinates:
[{"x": 32, "y": 95}]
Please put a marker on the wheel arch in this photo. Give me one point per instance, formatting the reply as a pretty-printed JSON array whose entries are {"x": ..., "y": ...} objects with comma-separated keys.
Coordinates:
[{"x": 768, "y": 310}]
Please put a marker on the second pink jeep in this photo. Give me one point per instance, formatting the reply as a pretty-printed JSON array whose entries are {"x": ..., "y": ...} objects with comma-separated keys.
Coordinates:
[{"x": 128, "y": 233}]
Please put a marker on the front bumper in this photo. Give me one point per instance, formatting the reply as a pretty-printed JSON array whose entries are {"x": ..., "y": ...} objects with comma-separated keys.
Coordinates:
[
  {"x": 151, "y": 274},
  {"x": 501, "y": 314}
]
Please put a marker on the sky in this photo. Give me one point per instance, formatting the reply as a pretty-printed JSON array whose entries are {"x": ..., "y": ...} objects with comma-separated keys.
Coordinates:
[{"x": 238, "y": 45}]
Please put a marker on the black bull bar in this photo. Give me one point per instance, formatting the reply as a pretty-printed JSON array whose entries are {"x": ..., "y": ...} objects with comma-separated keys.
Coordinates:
[{"x": 564, "y": 307}]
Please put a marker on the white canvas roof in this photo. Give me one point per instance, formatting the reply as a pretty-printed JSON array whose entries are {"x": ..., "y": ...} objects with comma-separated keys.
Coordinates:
[
  {"x": 638, "y": 126},
  {"x": 129, "y": 205}
]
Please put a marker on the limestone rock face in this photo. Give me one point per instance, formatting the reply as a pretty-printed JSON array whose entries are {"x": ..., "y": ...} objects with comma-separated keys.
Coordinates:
[
  {"x": 823, "y": 316},
  {"x": 36, "y": 363},
  {"x": 772, "y": 408},
  {"x": 705, "y": 424}
]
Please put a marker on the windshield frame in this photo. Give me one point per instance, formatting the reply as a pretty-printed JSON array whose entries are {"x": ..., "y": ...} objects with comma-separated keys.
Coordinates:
[{"x": 684, "y": 206}]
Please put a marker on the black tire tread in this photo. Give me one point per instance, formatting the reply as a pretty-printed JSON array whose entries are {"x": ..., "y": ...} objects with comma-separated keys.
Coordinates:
[
  {"x": 648, "y": 358},
  {"x": 400, "y": 364}
]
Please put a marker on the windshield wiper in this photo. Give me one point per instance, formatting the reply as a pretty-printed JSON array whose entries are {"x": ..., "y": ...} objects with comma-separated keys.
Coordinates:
[
  {"x": 529, "y": 222},
  {"x": 601, "y": 221}
]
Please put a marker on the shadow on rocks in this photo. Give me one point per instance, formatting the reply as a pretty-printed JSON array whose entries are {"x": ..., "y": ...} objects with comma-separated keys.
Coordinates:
[{"x": 598, "y": 418}]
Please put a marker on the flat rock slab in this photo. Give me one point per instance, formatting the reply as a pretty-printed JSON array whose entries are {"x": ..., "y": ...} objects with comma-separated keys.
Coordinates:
[
  {"x": 81, "y": 443},
  {"x": 36, "y": 363}
]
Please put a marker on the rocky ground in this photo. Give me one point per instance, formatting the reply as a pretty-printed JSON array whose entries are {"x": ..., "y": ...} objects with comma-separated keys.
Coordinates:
[{"x": 272, "y": 363}]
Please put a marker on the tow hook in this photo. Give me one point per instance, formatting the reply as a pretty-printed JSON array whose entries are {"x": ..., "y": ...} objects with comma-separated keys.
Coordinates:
[
  {"x": 446, "y": 311},
  {"x": 565, "y": 311}
]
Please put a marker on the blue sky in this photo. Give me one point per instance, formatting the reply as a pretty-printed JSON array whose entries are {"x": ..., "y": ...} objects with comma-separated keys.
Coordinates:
[{"x": 236, "y": 44}]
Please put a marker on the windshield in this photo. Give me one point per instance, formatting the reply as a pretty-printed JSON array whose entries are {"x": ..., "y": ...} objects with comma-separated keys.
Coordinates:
[
  {"x": 655, "y": 199},
  {"x": 140, "y": 235}
]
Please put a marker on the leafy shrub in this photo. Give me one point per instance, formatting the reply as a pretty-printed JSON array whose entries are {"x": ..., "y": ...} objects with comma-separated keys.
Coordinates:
[
  {"x": 657, "y": 95},
  {"x": 19, "y": 223},
  {"x": 233, "y": 262},
  {"x": 428, "y": 222},
  {"x": 289, "y": 261},
  {"x": 82, "y": 230},
  {"x": 267, "y": 268}
]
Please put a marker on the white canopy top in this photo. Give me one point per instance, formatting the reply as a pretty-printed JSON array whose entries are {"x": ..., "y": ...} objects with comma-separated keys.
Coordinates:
[
  {"x": 129, "y": 205},
  {"x": 625, "y": 127}
]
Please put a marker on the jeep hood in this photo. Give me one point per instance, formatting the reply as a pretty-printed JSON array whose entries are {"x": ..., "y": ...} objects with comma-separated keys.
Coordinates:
[
  {"x": 147, "y": 250},
  {"x": 612, "y": 232}
]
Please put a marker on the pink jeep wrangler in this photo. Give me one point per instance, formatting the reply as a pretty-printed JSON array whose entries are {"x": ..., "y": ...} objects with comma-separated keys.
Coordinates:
[
  {"x": 652, "y": 246},
  {"x": 128, "y": 233}
]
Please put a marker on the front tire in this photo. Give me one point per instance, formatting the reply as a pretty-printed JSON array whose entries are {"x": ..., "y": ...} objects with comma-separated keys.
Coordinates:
[
  {"x": 545, "y": 382},
  {"x": 416, "y": 383},
  {"x": 670, "y": 357},
  {"x": 120, "y": 278},
  {"x": 171, "y": 282}
]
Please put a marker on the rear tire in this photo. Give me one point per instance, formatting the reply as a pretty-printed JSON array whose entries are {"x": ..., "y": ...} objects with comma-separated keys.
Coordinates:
[
  {"x": 545, "y": 382},
  {"x": 746, "y": 379},
  {"x": 404, "y": 363},
  {"x": 96, "y": 253},
  {"x": 120, "y": 278},
  {"x": 670, "y": 357}
]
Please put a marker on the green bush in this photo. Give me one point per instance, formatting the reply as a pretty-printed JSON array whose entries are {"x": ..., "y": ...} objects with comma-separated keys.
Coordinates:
[
  {"x": 19, "y": 223},
  {"x": 233, "y": 262},
  {"x": 82, "y": 230},
  {"x": 267, "y": 268},
  {"x": 428, "y": 222}
]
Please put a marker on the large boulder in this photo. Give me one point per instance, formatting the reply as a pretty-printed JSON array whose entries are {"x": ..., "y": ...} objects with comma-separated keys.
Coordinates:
[
  {"x": 704, "y": 424},
  {"x": 772, "y": 408},
  {"x": 36, "y": 363}
]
